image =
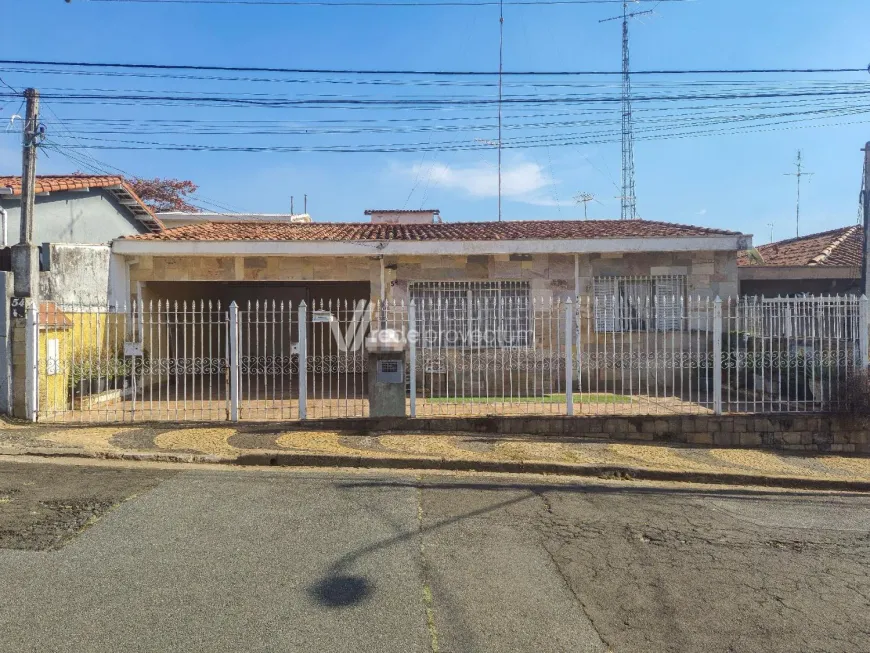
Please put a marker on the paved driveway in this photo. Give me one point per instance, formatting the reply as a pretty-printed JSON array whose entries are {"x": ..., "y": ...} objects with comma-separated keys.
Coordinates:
[{"x": 178, "y": 559}]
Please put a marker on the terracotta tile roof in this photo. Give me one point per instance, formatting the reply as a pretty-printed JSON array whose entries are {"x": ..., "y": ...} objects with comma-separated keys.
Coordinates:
[
  {"x": 838, "y": 247},
  {"x": 118, "y": 186},
  {"x": 51, "y": 317},
  {"x": 452, "y": 231}
]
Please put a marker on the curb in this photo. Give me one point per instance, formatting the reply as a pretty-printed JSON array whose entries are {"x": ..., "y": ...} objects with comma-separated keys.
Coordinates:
[{"x": 612, "y": 472}]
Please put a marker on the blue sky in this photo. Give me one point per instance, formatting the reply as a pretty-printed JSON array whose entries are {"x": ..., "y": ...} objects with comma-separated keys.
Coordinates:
[{"x": 731, "y": 180}]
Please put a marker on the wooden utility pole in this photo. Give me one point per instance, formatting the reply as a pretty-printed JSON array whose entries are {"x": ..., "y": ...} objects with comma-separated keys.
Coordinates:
[
  {"x": 25, "y": 255},
  {"x": 865, "y": 201}
]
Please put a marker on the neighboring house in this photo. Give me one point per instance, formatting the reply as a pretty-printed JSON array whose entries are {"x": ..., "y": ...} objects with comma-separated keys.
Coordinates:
[
  {"x": 75, "y": 219},
  {"x": 818, "y": 264}
]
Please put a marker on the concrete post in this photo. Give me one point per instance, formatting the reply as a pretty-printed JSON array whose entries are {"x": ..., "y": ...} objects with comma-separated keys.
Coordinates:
[
  {"x": 25, "y": 256},
  {"x": 303, "y": 360},
  {"x": 234, "y": 361},
  {"x": 717, "y": 356},
  {"x": 5, "y": 345}
]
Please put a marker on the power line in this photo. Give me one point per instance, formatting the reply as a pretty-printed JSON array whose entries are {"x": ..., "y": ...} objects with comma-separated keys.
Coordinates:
[
  {"x": 419, "y": 102},
  {"x": 347, "y": 71},
  {"x": 455, "y": 146},
  {"x": 369, "y": 3}
]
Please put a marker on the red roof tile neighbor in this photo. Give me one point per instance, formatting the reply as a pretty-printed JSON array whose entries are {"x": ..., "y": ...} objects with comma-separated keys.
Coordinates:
[
  {"x": 47, "y": 184},
  {"x": 60, "y": 183},
  {"x": 455, "y": 231},
  {"x": 838, "y": 247},
  {"x": 51, "y": 317}
]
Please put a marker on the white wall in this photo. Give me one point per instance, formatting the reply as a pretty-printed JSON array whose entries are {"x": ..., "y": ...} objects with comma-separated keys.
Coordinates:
[{"x": 79, "y": 274}]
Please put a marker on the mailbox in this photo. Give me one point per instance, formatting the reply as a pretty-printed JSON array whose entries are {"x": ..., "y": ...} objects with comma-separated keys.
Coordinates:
[
  {"x": 391, "y": 370},
  {"x": 386, "y": 364}
]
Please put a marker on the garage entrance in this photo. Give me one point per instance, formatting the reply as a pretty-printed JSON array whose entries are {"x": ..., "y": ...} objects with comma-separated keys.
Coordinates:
[{"x": 168, "y": 356}]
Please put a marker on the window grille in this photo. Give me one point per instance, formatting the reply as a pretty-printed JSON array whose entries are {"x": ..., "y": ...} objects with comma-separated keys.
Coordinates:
[
  {"x": 481, "y": 314},
  {"x": 653, "y": 303}
]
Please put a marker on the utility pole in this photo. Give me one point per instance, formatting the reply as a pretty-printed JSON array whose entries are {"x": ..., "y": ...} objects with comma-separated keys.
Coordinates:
[
  {"x": 25, "y": 255},
  {"x": 500, "y": 71},
  {"x": 800, "y": 173},
  {"x": 865, "y": 200}
]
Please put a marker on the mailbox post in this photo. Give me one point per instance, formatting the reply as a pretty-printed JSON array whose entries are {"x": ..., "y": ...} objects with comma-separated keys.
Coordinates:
[{"x": 386, "y": 364}]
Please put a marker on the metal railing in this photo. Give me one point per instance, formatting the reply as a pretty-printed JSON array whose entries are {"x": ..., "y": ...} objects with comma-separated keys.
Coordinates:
[{"x": 502, "y": 353}]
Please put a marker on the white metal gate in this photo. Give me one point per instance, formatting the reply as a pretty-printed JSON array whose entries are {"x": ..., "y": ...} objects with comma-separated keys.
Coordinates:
[{"x": 491, "y": 349}]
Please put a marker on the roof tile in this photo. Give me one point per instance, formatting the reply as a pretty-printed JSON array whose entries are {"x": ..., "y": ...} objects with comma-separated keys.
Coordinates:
[
  {"x": 455, "y": 231},
  {"x": 838, "y": 247},
  {"x": 60, "y": 183}
]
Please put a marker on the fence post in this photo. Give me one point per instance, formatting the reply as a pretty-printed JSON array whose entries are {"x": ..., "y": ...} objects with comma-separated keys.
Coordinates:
[
  {"x": 31, "y": 356},
  {"x": 234, "y": 362},
  {"x": 717, "y": 356},
  {"x": 303, "y": 360},
  {"x": 412, "y": 356},
  {"x": 863, "y": 334},
  {"x": 569, "y": 357}
]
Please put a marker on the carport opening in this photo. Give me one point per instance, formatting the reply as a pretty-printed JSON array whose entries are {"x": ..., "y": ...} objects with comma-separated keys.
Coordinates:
[{"x": 194, "y": 335}]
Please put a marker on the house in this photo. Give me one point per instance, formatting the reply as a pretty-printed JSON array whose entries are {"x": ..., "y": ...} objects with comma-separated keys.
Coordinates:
[
  {"x": 283, "y": 260},
  {"x": 75, "y": 219},
  {"x": 502, "y": 278},
  {"x": 826, "y": 263}
]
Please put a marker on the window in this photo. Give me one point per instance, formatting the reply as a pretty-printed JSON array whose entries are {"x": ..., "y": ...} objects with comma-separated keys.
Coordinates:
[
  {"x": 639, "y": 303},
  {"x": 473, "y": 313}
]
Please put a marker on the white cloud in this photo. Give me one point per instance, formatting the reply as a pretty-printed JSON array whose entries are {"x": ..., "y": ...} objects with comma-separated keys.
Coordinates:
[
  {"x": 482, "y": 181},
  {"x": 702, "y": 212}
]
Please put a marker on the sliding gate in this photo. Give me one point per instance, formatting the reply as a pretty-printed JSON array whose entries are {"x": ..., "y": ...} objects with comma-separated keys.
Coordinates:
[{"x": 201, "y": 361}]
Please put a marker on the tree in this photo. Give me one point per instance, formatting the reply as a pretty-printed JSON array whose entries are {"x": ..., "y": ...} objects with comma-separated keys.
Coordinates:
[{"x": 162, "y": 195}]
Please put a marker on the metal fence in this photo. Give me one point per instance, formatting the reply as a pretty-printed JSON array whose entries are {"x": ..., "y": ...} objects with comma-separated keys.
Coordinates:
[{"x": 483, "y": 351}]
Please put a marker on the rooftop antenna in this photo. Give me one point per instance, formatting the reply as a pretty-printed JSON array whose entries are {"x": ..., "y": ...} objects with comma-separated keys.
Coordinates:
[
  {"x": 770, "y": 224},
  {"x": 292, "y": 212},
  {"x": 629, "y": 200},
  {"x": 800, "y": 173},
  {"x": 585, "y": 198}
]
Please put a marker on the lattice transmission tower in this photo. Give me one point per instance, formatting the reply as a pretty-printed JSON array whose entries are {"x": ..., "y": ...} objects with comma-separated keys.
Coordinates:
[{"x": 629, "y": 198}]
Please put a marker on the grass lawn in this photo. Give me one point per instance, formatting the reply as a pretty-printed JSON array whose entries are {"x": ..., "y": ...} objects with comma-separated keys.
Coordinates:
[{"x": 585, "y": 398}]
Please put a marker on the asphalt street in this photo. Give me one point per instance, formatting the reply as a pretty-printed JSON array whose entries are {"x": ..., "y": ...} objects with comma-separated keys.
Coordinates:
[{"x": 150, "y": 558}]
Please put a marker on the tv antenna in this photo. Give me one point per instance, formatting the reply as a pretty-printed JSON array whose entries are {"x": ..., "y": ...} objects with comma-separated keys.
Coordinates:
[
  {"x": 800, "y": 173},
  {"x": 628, "y": 198},
  {"x": 584, "y": 198}
]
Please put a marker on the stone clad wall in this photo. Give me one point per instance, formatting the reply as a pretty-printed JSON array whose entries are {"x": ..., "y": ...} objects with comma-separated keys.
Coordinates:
[{"x": 709, "y": 274}]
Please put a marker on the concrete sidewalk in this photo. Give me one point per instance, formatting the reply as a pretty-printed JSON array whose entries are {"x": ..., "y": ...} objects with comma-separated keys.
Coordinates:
[{"x": 276, "y": 444}]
